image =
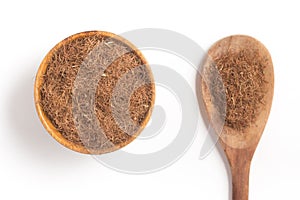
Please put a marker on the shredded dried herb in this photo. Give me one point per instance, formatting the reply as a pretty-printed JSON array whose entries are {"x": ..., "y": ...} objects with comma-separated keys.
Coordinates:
[
  {"x": 59, "y": 82},
  {"x": 240, "y": 74}
]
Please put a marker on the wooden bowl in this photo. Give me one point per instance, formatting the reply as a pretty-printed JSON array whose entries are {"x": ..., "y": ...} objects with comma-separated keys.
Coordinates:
[{"x": 48, "y": 124}]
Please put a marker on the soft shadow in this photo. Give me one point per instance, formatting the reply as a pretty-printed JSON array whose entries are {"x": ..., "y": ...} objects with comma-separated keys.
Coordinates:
[
  {"x": 29, "y": 134},
  {"x": 211, "y": 134},
  {"x": 228, "y": 169}
]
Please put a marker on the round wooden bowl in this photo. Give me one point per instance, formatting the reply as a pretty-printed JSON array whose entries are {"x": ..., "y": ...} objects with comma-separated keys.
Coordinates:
[{"x": 47, "y": 123}]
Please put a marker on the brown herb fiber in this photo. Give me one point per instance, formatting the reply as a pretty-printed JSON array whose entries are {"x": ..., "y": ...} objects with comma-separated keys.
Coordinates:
[
  {"x": 94, "y": 61},
  {"x": 239, "y": 74}
]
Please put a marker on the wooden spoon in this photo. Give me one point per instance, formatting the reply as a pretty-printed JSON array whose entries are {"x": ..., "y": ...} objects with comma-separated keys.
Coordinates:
[{"x": 239, "y": 133}]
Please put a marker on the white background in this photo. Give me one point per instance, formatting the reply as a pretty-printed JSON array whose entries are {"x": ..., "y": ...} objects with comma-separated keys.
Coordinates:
[{"x": 33, "y": 165}]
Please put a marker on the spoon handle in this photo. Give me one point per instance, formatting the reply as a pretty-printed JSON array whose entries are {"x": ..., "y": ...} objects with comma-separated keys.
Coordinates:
[{"x": 240, "y": 179}]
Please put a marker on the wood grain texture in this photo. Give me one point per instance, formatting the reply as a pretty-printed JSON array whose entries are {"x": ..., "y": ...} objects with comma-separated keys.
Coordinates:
[{"x": 239, "y": 145}]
